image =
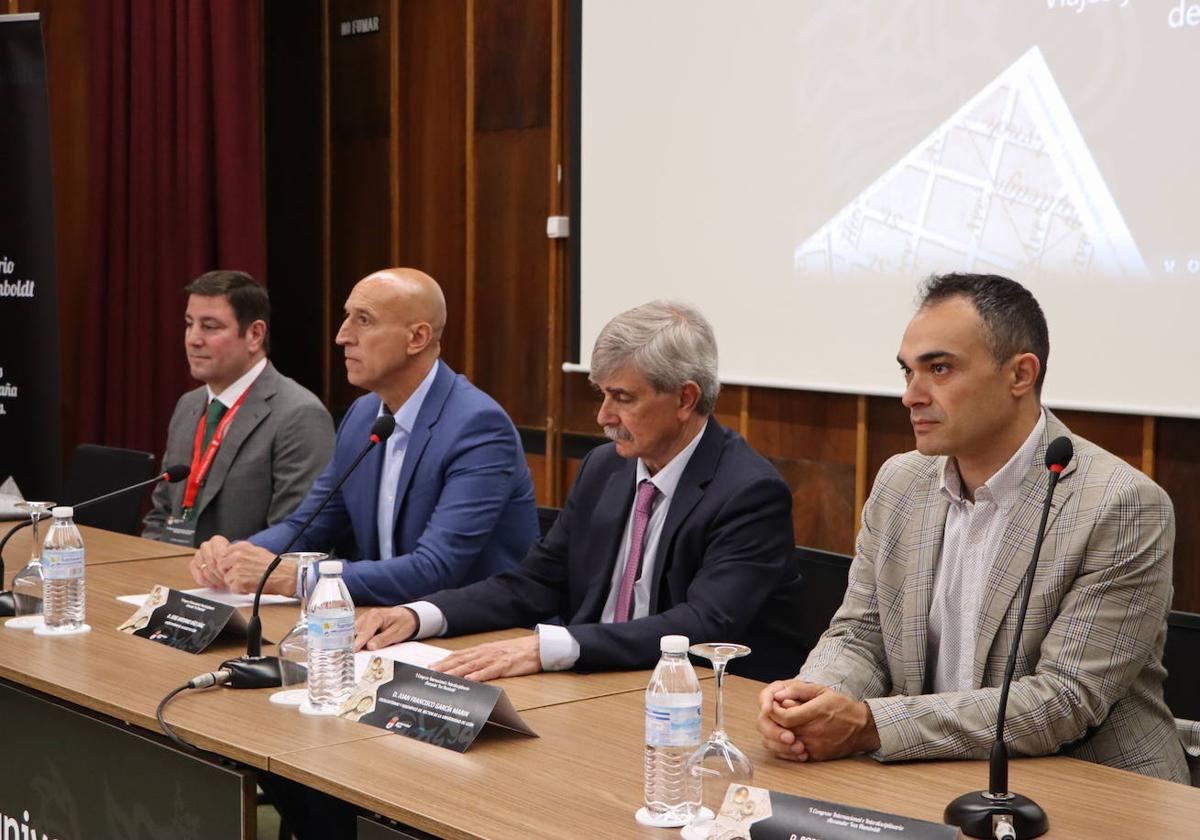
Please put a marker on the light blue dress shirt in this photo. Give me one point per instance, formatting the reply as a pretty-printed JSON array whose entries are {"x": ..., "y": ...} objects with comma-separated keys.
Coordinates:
[{"x": 393, "y": 460}]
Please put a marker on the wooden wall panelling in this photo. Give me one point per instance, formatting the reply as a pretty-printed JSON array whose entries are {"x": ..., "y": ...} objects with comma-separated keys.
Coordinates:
[
  {"x": 862, "y": 433},
  {"x": 360, "y": 91},
  {"x": 327, "y": 301},
  {"x": 730, "y": 405},
  {"x": 888, "y": 433},
  {"x": 557, "y": 251},
  {"x": 1120, "y": 434},
  {"x": 580, "y": 403},
  {"x": 430, "y": 142},
  {"x": 294, "y": 163},
  {"x": 537, "y": 469},
  {"x": 470, "y": 308},
  {"x": 512, "y": 55},
  {"x": 811, "y": 438},
  {"x": 1177, "y": 459},
  {"x": 1149, "y": 440}
]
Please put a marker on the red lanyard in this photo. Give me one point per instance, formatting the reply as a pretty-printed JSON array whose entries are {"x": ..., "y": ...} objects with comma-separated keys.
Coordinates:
[{"x": 201, "y": 466}]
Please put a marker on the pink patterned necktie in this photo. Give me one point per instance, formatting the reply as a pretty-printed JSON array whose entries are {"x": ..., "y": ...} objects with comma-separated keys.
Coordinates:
[{"x": 646, "y": 496}]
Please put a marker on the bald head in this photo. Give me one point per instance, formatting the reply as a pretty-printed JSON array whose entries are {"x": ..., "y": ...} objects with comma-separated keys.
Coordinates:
[
  {"x": 416, "y": 293},
  {"x": 392, "y": 332}
]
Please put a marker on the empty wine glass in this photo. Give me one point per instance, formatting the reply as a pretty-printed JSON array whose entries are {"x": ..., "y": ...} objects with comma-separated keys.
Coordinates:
[
  {"x": 28, "y": 582},
  {"x": 293, "y": 648},
  {"x": 717, "y": 763}
]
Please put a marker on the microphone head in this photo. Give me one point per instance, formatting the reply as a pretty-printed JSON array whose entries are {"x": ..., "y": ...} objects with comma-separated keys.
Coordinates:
[
  {"x": 382, "y": 428},
  {"x": 1059, "y": 454},
  {"x": 176, "y": 472}
]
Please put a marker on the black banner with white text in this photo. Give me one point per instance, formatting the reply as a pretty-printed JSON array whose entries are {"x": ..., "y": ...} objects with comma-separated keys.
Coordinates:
[{"x": 30, "y": 418}]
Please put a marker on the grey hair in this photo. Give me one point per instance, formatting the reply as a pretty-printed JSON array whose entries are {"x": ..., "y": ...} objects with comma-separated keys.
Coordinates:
[{"x": 669, "y": 342}]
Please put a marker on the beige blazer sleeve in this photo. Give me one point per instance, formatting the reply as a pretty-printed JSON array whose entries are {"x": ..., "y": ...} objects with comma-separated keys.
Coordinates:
[{"x": 1089, "y": 670}]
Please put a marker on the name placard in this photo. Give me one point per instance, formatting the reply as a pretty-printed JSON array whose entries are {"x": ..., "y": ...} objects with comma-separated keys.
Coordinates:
[
  {"x": 182, "y": 621},
  {"x": 760, "y": 814},
  {"x": 428, "y": 705}
]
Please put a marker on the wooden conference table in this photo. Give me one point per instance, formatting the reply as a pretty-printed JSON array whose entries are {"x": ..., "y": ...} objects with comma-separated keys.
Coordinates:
[
  {"x": 103, "y": 547},
  {"x": 580, "y": 778}
]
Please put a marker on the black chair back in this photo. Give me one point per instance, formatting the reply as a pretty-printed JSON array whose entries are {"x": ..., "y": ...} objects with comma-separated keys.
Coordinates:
[
  {"x": 96, "y": 470},
  {"x": 1182, "y": 652},
  {"x": 825, "y": 575}
]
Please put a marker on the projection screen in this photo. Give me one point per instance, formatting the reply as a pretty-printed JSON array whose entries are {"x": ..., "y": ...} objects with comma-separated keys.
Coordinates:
[{"x": 796, "y": 167}]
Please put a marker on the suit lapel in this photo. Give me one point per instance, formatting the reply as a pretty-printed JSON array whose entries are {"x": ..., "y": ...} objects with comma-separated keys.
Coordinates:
[
  {"x": 608, "y": 527},
  {"x": 361, "y": 489},
  {"x": 925, "y": 531},
  {"x": 427, "y": 417},
  {"x": 1003, "y": 586},
  {"x": 254, "y": 410},
  {"x": 690, "y": 490}
]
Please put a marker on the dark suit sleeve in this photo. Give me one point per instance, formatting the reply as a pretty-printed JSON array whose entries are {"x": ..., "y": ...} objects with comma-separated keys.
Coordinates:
[
  {"x": 534, "y": 591},
  {"x": 746, "y": 557},
  {"x": 479, "y": 477}
]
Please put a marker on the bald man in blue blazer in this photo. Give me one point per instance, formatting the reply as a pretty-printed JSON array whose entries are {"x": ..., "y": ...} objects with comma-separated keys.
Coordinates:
[{"x": 447, "y": 500}]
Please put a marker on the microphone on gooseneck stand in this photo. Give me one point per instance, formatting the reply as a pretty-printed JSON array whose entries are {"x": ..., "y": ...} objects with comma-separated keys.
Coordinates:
[
  {"x": 997, "y": 812},
  {"x": 171, "y": 474},
  {"x": 255, "y": 670}
]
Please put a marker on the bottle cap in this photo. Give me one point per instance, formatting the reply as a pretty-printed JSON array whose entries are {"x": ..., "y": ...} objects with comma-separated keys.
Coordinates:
[
  {"x": 673, "y": 644},
  {"x": 330, "y": 567},
  {"x": 63, "y": 512}
]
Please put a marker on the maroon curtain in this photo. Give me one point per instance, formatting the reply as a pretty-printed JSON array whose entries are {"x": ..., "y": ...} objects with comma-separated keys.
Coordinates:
[{"x": 176, "y": 190}]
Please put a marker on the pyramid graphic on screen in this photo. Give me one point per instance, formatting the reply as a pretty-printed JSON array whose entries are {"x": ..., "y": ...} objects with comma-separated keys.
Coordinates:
[{"x": 1006, "y": 185}]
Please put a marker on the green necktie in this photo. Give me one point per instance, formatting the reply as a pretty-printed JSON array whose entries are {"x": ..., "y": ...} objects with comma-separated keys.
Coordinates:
[{"x": 216, "y": 410}]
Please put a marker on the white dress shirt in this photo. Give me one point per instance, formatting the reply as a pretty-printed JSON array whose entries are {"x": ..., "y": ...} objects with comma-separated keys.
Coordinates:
[
  {"x": 557, "y": 648},
  {"x": 393, "y": 460},
  {"x": 970, "y": 543},
  {"x": 240, "y": 385}
]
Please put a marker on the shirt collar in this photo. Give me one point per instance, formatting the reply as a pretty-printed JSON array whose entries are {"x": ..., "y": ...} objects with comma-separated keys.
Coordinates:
[
  {"x": 240, "y": 385},
  {"x": 667, "y": 479},
  {"x": 406, "y": 415},
  {"x": 1005, "y": 484}
]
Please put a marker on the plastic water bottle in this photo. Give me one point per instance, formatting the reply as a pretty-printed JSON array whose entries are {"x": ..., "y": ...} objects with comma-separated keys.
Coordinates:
[
  {"x": 673, "y": 701},
  {"x": 330, "y": 641},
  {"x": 63, "y": 571}
]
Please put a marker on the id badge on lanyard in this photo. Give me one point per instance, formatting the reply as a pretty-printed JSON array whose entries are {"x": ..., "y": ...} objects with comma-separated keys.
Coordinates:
[{"x": 180, "y": 531}]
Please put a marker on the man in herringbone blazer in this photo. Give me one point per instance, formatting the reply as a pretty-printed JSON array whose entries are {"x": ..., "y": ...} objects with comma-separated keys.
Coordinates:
[{"x": 912, "y": 662}]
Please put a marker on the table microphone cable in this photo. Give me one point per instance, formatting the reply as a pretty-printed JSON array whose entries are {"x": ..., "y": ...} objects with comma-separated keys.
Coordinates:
[{"x": 203, "y": 681}]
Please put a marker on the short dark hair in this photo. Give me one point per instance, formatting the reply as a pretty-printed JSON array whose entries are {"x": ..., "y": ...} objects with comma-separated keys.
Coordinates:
[
  {"x": 246, "y": 296},
  {"x": 1011, "y": 315}
]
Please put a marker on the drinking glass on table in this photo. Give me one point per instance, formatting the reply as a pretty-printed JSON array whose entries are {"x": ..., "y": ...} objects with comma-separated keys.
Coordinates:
[
  {"x": 717, "y": 763},
  {"x": 293, "y": 648},
  {"x": 29, "y": 581}
]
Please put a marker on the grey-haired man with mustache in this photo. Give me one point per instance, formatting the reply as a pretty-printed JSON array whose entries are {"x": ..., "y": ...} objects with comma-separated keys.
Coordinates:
[{"x": 676, "y": 527}]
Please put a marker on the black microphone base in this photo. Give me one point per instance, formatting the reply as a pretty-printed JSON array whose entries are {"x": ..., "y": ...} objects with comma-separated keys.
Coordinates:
[
  {"x": 7, "y": 605},
  {"x": 976, "y": 815},
  {"x": 254, "y": 672}
]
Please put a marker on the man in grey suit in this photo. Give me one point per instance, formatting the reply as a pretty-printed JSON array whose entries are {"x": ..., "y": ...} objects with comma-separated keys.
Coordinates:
[
  {"x": 912, "y": 663},
  {"x": 254, "y": 438}
]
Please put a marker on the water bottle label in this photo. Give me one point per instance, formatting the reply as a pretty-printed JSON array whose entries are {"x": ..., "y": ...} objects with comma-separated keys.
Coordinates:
[
  {"x": 331, "y": 630},
  {"x": 62, "y": 564},
  {"x": 672, "y": 726}
]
